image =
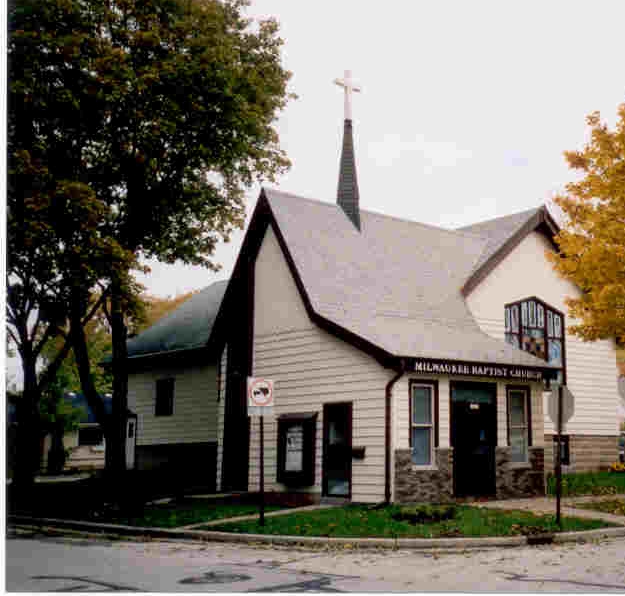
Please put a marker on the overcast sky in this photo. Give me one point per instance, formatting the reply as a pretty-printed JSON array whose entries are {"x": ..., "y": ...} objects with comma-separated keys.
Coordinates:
[{"x": 465, "y": 111}]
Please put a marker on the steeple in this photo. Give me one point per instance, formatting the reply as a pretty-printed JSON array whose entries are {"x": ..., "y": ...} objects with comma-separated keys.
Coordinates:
[{"x": 347, "y": 195}]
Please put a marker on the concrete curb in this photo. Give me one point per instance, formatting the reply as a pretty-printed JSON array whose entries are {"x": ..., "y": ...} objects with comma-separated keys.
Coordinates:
[{"x": 393, "y": 543}]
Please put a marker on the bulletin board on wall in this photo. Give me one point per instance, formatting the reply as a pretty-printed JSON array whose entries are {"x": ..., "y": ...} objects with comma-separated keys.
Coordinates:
[{"x": 296, "y": 449}]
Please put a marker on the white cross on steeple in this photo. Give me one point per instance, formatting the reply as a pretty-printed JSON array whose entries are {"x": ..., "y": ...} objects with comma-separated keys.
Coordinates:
[{"x": 349, "y": 86}]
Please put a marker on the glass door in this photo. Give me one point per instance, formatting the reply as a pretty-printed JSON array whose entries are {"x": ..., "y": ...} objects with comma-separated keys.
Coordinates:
[{"x": 337, "y": 449}]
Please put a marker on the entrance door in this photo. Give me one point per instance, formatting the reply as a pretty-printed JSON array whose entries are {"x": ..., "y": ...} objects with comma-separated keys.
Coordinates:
[
  {"x": 474, "y": 438},
  {"x": 337, "y": 450}
]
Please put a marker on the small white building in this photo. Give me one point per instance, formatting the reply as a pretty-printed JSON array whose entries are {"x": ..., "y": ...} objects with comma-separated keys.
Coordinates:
[{"x": 409, "y": 361}]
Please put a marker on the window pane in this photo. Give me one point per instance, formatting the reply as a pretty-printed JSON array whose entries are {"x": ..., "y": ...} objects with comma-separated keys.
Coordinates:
[
  {"x": 518, "y": 443},
  {"x": 514, "y": 311},
  {"x": 512, "y": 339},
  {"x": 421, "y": 405},
  {"x": 508, "y": 319},
  {"x": 164, "y": 405},
  {"x": 421, "y": 446},
  {"x": 516, "y": 403},
  {"x": 532, "y": 314},
  {"x": 534, "y": 342},
  {"x": 540, "y": 315},
  {"x": 555, "y": 351},
  {"x": 550, "y": 323},
  {"x": 557, "y": 325},
  {"x": 524, "y": 313}
]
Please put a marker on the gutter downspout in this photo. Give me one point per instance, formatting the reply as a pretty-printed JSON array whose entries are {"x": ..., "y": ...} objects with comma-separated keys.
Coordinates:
[{"x": 387, "y": 430}]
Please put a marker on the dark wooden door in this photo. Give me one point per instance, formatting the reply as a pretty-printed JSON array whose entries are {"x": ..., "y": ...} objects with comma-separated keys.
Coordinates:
[
  {"x": 474, "y": 438},
  {"x": 337, "y": 450}
]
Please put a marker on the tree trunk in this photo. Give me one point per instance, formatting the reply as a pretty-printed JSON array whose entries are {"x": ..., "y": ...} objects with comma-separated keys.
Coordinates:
[
  {"x": 28, "y": 454},
  {"x": 83, "y": 364},
  {"x": 120, "y": 380}
]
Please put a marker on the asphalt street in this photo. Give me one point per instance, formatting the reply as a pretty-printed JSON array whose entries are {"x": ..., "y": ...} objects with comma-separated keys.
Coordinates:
[{"x": 36, "y": 563}]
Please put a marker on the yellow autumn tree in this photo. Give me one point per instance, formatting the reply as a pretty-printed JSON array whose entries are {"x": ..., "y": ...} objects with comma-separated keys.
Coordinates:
[{"x": 592, "y": 242}]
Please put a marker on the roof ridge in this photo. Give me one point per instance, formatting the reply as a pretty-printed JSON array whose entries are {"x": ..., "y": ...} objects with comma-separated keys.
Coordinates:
[
  {"x": 465, "y": 229},
  {"x": 373, "y": 213}
]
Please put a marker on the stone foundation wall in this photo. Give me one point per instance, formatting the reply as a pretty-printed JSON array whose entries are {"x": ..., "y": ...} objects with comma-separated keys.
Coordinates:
[
  {"x": 434, "y": 486},
  {"x": 588, "y": 453},
  {"x": 513, "y": 480}
]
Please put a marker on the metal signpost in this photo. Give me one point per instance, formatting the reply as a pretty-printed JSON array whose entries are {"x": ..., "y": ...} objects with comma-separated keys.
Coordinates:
[
  {"x": 561, "y": 409},
  {"x": 260, "y": 403}
]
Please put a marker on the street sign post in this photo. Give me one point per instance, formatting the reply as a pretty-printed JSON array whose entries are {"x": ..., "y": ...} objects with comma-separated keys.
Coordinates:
[
  {"x": 561, "y": 408},
  {"x": 568, "y": 404},
  {"x": 260, "y": 403}
]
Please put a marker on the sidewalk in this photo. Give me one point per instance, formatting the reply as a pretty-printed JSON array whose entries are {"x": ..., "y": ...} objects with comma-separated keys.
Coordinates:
[
  {"x": 218, "y": 522},
  {"x": 548, "y": 505}
]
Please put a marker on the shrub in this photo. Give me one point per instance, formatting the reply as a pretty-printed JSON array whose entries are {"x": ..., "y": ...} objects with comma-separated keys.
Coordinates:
[{"x": 425, "y": 513}]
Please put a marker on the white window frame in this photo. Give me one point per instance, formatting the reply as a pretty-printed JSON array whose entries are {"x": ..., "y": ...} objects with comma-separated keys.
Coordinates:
[
  {"x": 525, "y": 391},
  {"x": 432, "y": 425}
]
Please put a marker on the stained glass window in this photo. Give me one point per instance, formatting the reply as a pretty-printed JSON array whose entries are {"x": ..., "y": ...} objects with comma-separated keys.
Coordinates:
[
  {"x": 540, "y": 332},
  {"x": 540, "y": 315}
]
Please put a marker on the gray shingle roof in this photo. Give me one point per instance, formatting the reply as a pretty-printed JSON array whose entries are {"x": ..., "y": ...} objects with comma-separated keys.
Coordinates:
[
  {"x": 497, "y": 231},
  {"x": 188, "y": 327},
  {"x": 396, "y": 283}
]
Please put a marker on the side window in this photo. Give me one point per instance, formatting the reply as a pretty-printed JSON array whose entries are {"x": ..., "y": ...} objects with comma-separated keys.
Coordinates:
[
  {"x": 519, "y": 430},
  {"x": 164, "y": 404},
  {"x": 422, "y": 423}
]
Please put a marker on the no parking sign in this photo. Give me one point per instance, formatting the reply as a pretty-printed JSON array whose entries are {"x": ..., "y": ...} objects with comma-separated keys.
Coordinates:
[{"x": 259, "y": 396}]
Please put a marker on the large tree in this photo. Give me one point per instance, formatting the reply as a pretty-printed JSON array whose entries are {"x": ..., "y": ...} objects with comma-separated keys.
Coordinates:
[
  {"x": 150, "y": 309},
  {"x": 58, "y": 250},
  {"x": 170, "y": 111},
  {"x": 592, "y": 243}
]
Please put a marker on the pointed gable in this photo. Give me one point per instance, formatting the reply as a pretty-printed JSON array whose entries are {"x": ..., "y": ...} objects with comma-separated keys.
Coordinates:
[{"x": 501, "y": 236}]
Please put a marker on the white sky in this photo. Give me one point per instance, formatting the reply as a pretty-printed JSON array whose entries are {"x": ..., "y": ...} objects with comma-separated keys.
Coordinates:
[{"x": 465, "y": 111}]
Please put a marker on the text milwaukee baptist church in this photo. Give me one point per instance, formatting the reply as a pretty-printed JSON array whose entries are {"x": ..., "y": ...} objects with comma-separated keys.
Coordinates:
[{"x": 442, "y": 367}]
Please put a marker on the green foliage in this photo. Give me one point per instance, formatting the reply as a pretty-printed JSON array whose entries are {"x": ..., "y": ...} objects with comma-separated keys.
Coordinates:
[
  {"x": 363, "y": 521},
  {"x": 425, "y": 513},
  {"x": 134, "y": 128},
  {"x": 188, "y": 512},
  {"x": 592, "y": 244},
  {"x": 588, "y": 483}
]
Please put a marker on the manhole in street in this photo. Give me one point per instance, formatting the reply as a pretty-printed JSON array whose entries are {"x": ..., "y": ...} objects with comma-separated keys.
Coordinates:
[{"x": 215, "y": 577}]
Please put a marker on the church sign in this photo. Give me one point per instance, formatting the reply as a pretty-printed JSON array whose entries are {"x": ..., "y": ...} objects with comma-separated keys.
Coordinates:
[{"x": 472, "y": 369}]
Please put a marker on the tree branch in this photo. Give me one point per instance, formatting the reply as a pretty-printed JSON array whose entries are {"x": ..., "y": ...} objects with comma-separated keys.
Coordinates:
[
  {"x": 99, "y": 302},
  {"x": 50, "y": 373},
  {"x": 17, "y": 342}
]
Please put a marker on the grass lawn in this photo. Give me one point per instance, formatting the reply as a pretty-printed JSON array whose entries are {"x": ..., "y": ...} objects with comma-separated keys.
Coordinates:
[
  {"x": 614, "y": 506},
  {"x": 86, "y": 500},
  {"x": 361, "y": 521},
  {"x": 589, "y": 483},
  {"x": 184, "y": 513}
]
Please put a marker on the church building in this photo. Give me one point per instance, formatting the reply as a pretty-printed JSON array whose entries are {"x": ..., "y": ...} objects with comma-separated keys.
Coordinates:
[{"x": 410, "y": 362}]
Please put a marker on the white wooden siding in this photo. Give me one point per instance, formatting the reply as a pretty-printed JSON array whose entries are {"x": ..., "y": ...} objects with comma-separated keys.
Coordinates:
[
  {"x": 223, "y": 363},
  {"x": 195, "y": 406},
  {"x": 401, "y": 409},
  {"x": 591, "y": 366},
  {"x": 310, "y": 368}
]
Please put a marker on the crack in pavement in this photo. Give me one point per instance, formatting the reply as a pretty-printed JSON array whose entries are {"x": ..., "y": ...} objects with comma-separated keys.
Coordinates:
[
  {"x": 525, "y": 578},
  {"x": 93, "y": 582}
]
